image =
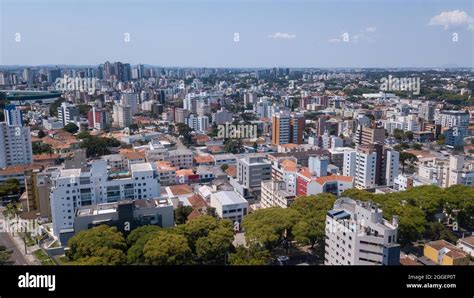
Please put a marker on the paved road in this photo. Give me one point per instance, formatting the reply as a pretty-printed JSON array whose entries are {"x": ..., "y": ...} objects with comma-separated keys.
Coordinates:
[
  {"x": 16, "y": 256},
  {"x": 6, "y": 240}
]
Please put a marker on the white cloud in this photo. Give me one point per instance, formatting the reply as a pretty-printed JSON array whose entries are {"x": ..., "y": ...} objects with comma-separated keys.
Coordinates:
[
  {"x": 371, "y": 29},
  {"x": 282, "y": 35},
  {"x": 471, "y": 27},
  {"x": 452, "y": 19}
]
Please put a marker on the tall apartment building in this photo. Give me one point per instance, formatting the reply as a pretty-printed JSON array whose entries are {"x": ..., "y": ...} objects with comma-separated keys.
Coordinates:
[
  {"x": 74, "y": 188},
  {"x": 287, "y": 128},
  {"x": 375, "y": 165},
  {"x": 180, "y": 115},
  {"x": 357, "y": 234},
  {"x": 426, "y": 111},
  {"x": 222, "y": 117},
  {"x": 122, "y": 116},
  {"x": 13, "y": 116},
  {"x": 456, "y": 124},
  {"x": 368, "y": 135},
  {"x": 252, "y": 170},
  {"x": 97, "y": 119},
  {"x": 68, "y": 113},
  {"x": 15, "y": 145},
  {"x": 131, "y": 100}
]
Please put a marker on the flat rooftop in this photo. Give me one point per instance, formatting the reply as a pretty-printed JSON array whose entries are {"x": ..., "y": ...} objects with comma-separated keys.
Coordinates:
[{"x": 229, "y": 197}]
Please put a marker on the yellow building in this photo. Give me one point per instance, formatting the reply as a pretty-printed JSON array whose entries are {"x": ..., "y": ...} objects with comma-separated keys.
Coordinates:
[{"x": 444, "y": 253}]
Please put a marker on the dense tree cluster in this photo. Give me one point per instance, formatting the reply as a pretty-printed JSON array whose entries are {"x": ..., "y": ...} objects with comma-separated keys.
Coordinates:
[
  {"x": 418, "y": 206},
  {"x": 96, "y": 146},
  {"x": 204, "y": 240},
  {"x": 303, "y": 222},
  {"x": 208, "y": 240}
]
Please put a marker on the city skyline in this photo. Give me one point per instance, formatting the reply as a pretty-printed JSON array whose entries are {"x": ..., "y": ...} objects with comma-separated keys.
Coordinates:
[{"x": 360, "y": 34}]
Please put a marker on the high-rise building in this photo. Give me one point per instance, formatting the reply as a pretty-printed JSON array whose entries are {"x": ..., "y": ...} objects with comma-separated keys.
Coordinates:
[
  {"x": 222, "y": 117},
  {"x": 122, "y": 116},
  {"x": 180, "y": 115},
  {"x": 426, "y": 111},
  {"x": 15, "y": 145},
  {"x": 375, "y": 165},
  {"x": 280, "y": 129},
  {"x": 68, "y": 113},
  {"x": 53, "y": 74},
  {"x": 73, "y": 188},
  {"x": 252, "y": 170},
  {"x": 357, "y": 234},
  {"x": 131, "y": 100},
  {"x": 13, "y": 116},
  {"x": 287, "y": 128},
  {"x": 455, "y": 125},
  {"x": 368, "y": 135},
  {"x": 28, "y": 76},
  {"x": 97, "y": 119}
]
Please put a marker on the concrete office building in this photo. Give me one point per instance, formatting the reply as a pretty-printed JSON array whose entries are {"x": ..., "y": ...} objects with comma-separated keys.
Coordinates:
[
  {"x": 128, "y": 213},
  {"x": 229, "y": 205},
  {"x": 252, "y": 170}
]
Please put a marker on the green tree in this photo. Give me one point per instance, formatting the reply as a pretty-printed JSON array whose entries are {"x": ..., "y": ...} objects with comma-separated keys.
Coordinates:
[
  {"x": 5, "y": 256},
  {"x": 71, "y": 128},
  {"x": 398, "y": 134},
  {"x": 40, "y": 148},
  {"x": 9, "y": 187},
  {"x": 254, "y": 255},
  {"x": 270, "y": 227},
  {"x": 41, "y": 134},
  {"x": 199, "y": 227},
  {"x": 137, "y": 240},
  {"x": 102, "y": 245},
  {"x": 407, "y": 157},
  {"x": 233, "y": 146},
  {"x": 416, "y": 146},
  {"x": 311, "y": 228},
  {"x": 181, "y": 214},
  {"x": 216, "y": 244},
  {"x": 167, "y": 249},
  {"x": 53, "y": 108},
  {"x": 224, "y": 167}
]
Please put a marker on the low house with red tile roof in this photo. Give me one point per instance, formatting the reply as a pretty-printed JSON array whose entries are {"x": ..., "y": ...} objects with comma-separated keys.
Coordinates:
[
  {"x": 179, "y": 194},
  {"x": 231, "y": 171},
  {"x": 46, "y": 159},
  {"x": 203, "y": 160},
  {"x": 18, "y": 172},
  {"x": 200, "y": 139}
]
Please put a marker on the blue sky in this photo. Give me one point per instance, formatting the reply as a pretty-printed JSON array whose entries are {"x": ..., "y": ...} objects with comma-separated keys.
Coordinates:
[{"x": 297, "y": 33}]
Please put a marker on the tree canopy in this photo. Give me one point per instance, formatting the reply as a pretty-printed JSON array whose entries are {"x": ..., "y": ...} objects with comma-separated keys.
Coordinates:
[{"x": 102, "y": 245}]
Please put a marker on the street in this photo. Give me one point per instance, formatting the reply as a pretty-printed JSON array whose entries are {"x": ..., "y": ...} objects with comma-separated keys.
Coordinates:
[{"x": 6, "y": 240}]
